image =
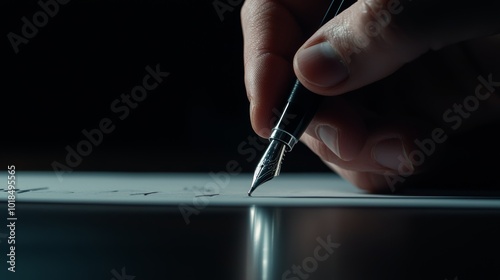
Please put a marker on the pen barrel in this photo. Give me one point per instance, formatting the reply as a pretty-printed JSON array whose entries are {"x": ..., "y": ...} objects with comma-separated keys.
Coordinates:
[{"x": 298, "y": 113}]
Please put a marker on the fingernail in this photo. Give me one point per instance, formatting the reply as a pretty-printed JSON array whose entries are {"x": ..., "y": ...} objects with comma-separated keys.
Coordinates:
[
  {"x": 330, "y": 136},
  {"x": 321, "y": 65},
  {"x": 390, "y": 153}
]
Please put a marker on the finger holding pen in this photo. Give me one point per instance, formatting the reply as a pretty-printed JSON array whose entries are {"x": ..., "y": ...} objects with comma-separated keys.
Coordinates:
[
  {"x": 373, "y": 38},
  {"x": 365, "y": 44}
]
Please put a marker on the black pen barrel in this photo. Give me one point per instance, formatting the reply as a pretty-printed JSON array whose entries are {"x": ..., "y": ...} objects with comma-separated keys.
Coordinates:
[
  {"x": 299, "y": 111},
  {"x": 302, "y": 103}
]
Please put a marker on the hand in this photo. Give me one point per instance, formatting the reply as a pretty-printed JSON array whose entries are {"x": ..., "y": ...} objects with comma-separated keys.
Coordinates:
[{"x": 404, "y": 81}]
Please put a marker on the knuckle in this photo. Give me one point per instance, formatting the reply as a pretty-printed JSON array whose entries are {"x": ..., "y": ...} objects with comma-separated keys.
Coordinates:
[{"x": 377, "y": 20}]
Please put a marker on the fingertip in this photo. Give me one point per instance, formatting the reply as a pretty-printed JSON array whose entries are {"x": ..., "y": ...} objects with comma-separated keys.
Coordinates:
[
  {"x": 320, "y": 65},
  {"x": 267, "y": 80},
  {"x": 345, "y": 143},
  {"x": 259, "y": 121},
  {"x": 392, "y": 153},
  {"x": 343, "y": 55},
  {"x": 340, "y": 127},
  {"x": 366, "y": 181}
]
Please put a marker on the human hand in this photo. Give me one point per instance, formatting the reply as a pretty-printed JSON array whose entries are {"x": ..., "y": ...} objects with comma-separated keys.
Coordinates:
[{"x": 402, "y": 79}]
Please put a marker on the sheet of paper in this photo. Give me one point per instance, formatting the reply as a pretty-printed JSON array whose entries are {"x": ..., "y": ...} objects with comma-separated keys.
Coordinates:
[{"x": 217, "y": 189}]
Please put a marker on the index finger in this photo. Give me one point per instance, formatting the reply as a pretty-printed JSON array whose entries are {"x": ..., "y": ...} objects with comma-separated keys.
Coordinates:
[{"x": 272, "y": 32}]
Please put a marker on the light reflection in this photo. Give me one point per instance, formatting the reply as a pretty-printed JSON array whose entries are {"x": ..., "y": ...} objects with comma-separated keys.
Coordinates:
[{"x": 261, "y": 243}]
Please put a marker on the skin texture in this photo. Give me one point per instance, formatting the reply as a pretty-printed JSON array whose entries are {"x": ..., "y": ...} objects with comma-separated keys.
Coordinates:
[{"x": 401, "y": 80}]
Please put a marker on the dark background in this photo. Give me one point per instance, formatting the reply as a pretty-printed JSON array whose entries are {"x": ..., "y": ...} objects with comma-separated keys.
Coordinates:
[
  {"x": 87, "y": 54},
  {"x": 65, "y": 78}
]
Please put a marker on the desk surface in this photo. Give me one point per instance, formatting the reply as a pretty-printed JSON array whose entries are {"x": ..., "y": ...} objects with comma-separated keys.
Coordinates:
[{"x": 196, "y": 226}]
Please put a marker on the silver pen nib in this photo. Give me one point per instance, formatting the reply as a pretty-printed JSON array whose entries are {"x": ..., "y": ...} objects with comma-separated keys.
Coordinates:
[{"x": 269, "y": 165}]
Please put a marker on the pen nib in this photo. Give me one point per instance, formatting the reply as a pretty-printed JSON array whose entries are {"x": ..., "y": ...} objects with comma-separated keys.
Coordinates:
[{"x": 269, "y": 165}]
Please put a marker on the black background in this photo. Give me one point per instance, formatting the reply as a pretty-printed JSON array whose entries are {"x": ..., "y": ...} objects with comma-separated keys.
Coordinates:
[{"x": 65, "y": 78}]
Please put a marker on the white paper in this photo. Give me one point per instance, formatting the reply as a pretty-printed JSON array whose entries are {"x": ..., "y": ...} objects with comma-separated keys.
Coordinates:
[{"x": 216, "y": 189}]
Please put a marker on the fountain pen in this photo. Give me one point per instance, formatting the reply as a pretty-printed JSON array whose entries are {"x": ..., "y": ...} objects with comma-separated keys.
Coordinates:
[{"x": 299, "y": 110}]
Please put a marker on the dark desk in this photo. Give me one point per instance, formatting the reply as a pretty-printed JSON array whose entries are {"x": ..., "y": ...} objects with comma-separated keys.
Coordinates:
[{"x": 202, "y": 226}]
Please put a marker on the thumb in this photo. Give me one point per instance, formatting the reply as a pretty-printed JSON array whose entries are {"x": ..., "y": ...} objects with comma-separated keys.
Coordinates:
[{"x": 373, "y": 38}]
